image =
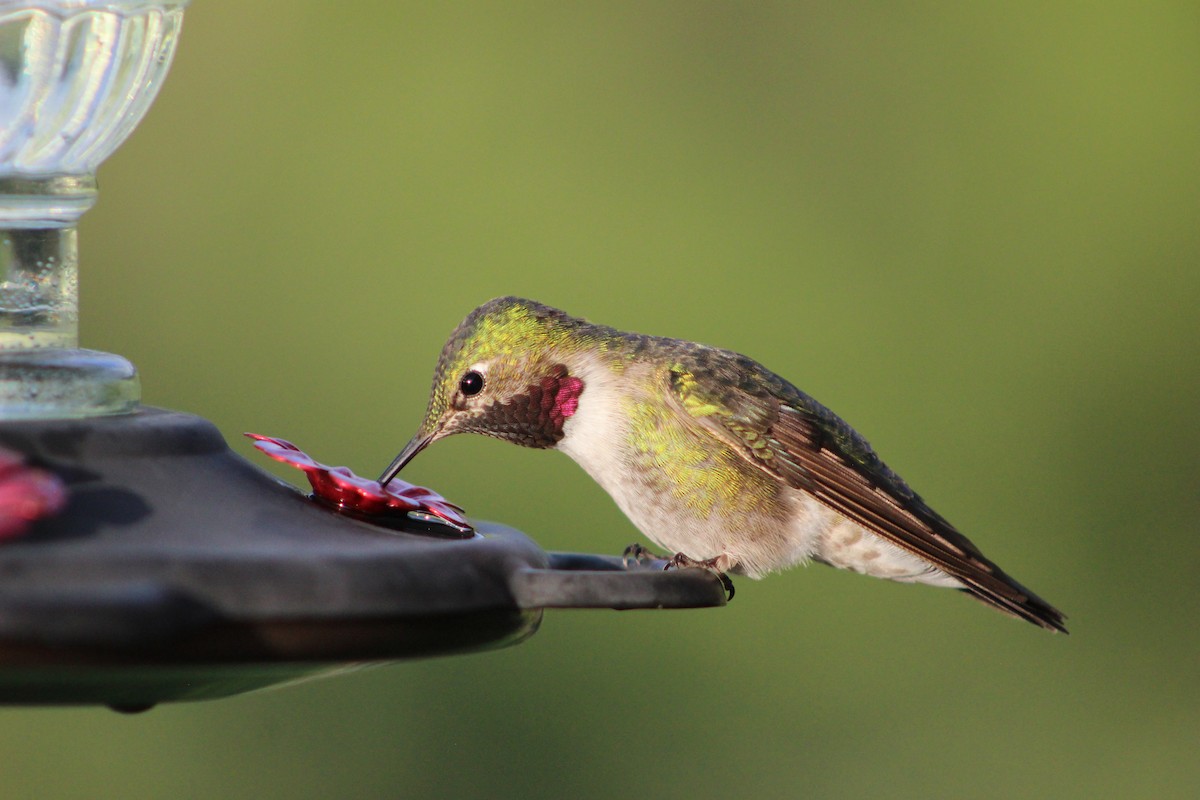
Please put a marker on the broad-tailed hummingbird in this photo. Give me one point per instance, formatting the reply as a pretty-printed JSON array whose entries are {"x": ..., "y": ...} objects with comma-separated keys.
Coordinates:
[{"x": 711, "y": 455}]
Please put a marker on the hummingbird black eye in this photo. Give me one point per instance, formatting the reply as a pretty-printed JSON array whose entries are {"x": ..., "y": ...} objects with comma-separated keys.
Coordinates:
[{"x": 471, "y": 383}]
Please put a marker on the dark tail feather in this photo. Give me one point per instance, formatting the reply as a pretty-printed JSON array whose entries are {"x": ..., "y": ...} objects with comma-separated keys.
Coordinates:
[{"x": 1014, "y": 599}]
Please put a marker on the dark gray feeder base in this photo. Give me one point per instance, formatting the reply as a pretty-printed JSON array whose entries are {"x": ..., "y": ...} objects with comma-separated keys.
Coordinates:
[{"x": 180, "y": 571}]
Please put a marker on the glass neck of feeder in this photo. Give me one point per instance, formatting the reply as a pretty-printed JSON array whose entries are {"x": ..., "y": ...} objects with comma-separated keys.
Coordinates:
[
  {"x": 39, "y": 290},
  {"x": 43, "y": 372},
  {"x": 39, "y": 260}
]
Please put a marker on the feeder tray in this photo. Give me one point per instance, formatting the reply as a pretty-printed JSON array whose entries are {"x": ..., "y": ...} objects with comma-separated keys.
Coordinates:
[{"x": 180, "y": 571}]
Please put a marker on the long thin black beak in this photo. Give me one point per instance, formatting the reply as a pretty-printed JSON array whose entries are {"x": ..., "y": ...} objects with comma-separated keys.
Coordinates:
[{"x": 415, "y": 445}]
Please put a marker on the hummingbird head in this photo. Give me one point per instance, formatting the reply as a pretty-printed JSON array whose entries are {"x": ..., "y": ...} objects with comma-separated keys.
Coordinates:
[{"x": 503, "y": 373}]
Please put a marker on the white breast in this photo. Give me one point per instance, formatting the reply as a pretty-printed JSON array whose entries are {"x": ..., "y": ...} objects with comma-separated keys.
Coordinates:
[{"x": 597, "y": 433}]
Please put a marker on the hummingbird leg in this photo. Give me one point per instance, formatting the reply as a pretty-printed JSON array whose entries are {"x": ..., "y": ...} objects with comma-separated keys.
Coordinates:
[
  {"x": 714, "y": 565},
  {"x": 636, "y": 554}
]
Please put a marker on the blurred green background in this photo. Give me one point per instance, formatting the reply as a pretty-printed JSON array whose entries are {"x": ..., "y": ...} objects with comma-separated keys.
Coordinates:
[{"x": 970, "y": 229}]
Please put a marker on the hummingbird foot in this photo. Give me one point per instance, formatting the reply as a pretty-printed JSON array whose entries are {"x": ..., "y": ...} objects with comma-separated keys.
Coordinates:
[
  {"x": 637, "y": 555},
  {"x": 716, "y": 566}
]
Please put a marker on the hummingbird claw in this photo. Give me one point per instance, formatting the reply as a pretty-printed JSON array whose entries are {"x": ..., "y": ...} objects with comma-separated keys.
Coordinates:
[
  {"x": 636, "y": 555},
  {"x": 727, "y": 584},
  {"x": 713, "y": 565}
]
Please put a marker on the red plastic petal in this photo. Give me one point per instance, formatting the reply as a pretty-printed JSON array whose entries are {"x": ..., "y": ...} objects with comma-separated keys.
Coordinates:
[
  {"x": 27, "y": 494},
  {"x": 340, "y": 487}
]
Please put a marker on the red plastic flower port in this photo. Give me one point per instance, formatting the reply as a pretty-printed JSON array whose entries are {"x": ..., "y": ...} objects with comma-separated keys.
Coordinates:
[
  {"x": 27, "y": 494},
  {"x": 345, "y": 491}
]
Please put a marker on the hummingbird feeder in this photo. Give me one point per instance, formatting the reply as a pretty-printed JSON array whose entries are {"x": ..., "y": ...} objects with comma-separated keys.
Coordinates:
[{"x": 141, "y": 560}]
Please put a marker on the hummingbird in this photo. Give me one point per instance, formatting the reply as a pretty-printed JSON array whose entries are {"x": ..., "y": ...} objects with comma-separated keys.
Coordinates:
[{"x": 711, "y": 455}]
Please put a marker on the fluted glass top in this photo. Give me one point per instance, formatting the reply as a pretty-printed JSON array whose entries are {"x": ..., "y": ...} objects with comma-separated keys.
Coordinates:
[{"x": 76, "y": 77}]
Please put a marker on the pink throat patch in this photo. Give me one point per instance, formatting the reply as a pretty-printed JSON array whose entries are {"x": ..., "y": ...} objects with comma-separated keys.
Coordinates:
[
  {"x": 566, "y": 398},
  {"x": 541, "y": 413}
]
